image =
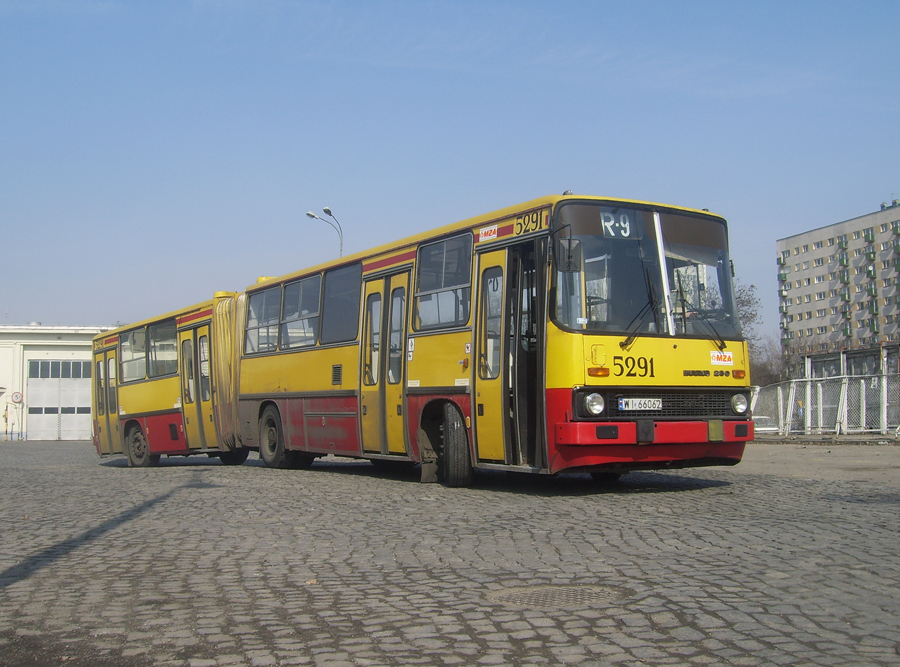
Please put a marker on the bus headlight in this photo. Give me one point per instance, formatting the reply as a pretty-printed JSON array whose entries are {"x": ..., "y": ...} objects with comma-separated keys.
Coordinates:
[
  {"x": 594, "y": 404},
  {"x": 739, "y": 404}
]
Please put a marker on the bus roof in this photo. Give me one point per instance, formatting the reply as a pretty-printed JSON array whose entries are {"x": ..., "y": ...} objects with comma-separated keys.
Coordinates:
[
  {"x": 180, "y": 313},
  {"x": 410, "y": 241}
]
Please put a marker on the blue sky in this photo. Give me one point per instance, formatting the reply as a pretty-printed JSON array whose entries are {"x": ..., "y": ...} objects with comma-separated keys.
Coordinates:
[{"x": 152, "y": 153}]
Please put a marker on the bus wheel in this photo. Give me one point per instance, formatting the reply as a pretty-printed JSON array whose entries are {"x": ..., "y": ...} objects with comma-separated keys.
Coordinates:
[
  {"x": 139, "y": 454},
  {"x": 271, "y": 440},
  {"x": 457, "y": 463},
  {"x": 235, "y": 457}
]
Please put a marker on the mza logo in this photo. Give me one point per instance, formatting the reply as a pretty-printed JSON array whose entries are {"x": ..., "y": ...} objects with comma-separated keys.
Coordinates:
[
  {"x": 487, "y": 234},
  {"x": 721, "y": 358}
]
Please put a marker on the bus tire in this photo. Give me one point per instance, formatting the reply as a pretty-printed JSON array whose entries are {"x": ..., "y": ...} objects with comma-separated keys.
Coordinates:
[
  {"x": 271, "y": 440},
  {"x": 234, "y": 457},
  {"x": 457, "y": 462},
  {"x": 139, "y": 455}
]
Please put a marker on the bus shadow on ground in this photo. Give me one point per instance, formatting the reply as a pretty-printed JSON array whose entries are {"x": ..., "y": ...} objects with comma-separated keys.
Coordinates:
[
  {"x": 535, "y": 484},
  {"x": 566, "y": 484}
]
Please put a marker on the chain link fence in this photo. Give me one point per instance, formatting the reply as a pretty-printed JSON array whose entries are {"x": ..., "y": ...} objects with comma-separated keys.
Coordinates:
[{"x": 835, "y": 405}]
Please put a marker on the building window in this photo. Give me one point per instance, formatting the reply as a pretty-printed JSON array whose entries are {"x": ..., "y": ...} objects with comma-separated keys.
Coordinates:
[
  {"x": 785, "y": 254},
  {"x": 817, "y": 245},
  {"x": 820, "y": 296},
  {"x": 857, "y": 234},
  {"x": 806, "y": 247},
  {"x": 831, "y": 241},
  {"x": 822, "y": 330},
  {"x": 833, "y": 293},
  {"x": 797, "y": 251},
  {"x": 807, "y": 298},
  {"x": 884, "y": 228},
  {"x": 820, "y": 312},
  {"x": 834, "y": 310},
  {"x": 820, "y": 279},
  {"x": 820, "y": 261}
]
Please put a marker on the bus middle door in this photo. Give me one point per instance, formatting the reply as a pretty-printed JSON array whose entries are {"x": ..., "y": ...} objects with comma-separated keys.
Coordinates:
[
  {"x": 106, "y": 403},
  {"x": 383, "y": 366},
  {"x": 196, "y": 388}
]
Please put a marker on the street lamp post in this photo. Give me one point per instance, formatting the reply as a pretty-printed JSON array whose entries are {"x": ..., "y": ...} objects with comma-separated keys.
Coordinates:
[{"x": 335, "y": 225}]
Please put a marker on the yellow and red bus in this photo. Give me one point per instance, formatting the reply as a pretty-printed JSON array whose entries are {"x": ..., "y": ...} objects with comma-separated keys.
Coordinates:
[
  {"x": 154, "y": 390},
  {"x": 566, "y": 334}
]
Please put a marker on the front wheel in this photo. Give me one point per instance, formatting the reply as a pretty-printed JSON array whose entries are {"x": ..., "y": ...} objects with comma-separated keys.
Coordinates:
[
  {"x": 457, "y": 462},
  {"x": 139, "y": 454}
]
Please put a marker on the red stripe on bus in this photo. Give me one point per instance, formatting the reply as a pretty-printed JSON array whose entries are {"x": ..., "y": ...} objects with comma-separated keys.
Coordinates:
[
  {"x": 194, "y": 316},
  {"x": 110, "y": 340},
  {"x": 396, "y": 259}
]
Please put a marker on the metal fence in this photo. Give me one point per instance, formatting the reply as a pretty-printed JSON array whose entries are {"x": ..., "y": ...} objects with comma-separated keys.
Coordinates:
[{"x": 847, "y": 404}]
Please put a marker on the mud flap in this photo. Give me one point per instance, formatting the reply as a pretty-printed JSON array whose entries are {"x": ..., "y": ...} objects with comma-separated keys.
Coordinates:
[{"x": 428, "y": 458}]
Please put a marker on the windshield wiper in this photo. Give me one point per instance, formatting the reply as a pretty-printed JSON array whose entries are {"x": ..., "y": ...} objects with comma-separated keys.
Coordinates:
[
  {"x": 652, "y": 303},
  {"x": 716, "y": 337}
]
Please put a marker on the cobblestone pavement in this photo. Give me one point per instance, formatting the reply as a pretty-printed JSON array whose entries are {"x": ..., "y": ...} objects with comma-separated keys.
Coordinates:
[{"x": 197, "y": 564}]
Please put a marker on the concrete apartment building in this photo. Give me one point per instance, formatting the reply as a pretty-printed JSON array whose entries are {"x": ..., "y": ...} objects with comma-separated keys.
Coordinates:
[{"x": 839, "y": 299}]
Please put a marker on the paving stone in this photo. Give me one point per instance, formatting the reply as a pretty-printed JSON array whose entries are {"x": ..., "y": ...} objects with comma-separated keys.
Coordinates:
[{"x": 185, "y": 565}]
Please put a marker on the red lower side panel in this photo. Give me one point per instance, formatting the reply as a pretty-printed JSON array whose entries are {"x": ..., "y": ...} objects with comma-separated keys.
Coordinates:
[{"x": 164, "y": 433}]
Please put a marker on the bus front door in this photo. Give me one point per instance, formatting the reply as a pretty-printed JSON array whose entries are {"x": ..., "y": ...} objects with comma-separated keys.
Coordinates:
[
  {"x": 509, "y": 346},
  {"x": 196, "y": 388},
  {"x": 383, "y": 365},
  {"x": 106, "y": 402}
]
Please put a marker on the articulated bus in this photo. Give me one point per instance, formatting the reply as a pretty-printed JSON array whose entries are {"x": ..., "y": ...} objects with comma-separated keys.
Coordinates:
[
  {"x": 153, "y": 386},
  {"x": 566, "y": 334}
]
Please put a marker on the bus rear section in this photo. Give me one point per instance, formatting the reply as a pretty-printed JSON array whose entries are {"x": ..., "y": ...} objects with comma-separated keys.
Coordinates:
[{"x": 155, "y": 392}]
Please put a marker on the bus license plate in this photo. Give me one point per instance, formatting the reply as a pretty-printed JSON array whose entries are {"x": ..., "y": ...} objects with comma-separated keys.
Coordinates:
[{"x": 640, "y": 404}]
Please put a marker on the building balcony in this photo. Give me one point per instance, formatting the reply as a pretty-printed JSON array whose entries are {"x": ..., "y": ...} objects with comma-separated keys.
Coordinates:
[
  {"x": 844, "y": 261},
  {"x": 843, "y": 245},
  {"x": 870, "y": 236},
  {"x": 782, "y": 276}
]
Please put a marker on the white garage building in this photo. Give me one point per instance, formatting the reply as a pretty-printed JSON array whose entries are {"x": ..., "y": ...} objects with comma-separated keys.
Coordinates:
[{"x": 45, "y": 382}]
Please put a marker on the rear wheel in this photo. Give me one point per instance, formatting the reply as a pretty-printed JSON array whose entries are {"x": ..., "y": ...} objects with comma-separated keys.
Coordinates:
[
  {"x": 235, "y": 457},
  {"x": 271, "y": 440},
  {"x": 139, "y": 454},
  {"x": 456, "y": 460}
]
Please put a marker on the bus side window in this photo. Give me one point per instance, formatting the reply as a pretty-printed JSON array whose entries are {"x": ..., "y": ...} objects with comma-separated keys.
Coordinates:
[
  {"x": 187, "y": 373},
  {"x": 340, "y": 304},
  {"x": 372, "y": 338},
  {"x": 203, "y": 344},
  {"x": 490, "y": 338},
  {"x": 111, "y": 385},
  {"x": 98, "y": 385},
  {"x": 444, "y": 283},
  {"x": 395, "y": 335}
]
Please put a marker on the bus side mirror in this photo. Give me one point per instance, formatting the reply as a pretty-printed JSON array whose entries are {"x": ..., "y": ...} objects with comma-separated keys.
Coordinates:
[{"x": 569, "y": 255}]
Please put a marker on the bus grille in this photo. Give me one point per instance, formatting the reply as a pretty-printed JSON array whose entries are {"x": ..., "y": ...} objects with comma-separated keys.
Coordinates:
[{"x": 677, "y": 404}]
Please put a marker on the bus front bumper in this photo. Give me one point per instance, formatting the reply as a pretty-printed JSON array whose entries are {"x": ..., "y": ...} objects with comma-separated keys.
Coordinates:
[{"x": 649, "y": 432}]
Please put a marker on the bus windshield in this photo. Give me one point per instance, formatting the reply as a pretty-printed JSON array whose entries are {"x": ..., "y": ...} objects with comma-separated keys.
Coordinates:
[{"x": 608, "y": 276}]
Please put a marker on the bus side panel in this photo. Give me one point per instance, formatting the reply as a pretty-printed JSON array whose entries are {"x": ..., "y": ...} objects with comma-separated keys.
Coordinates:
[
  {"x": 165, "y": 433},
  {"x": 294, "y": 426},
  {"x": 331, "y": 425}
]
